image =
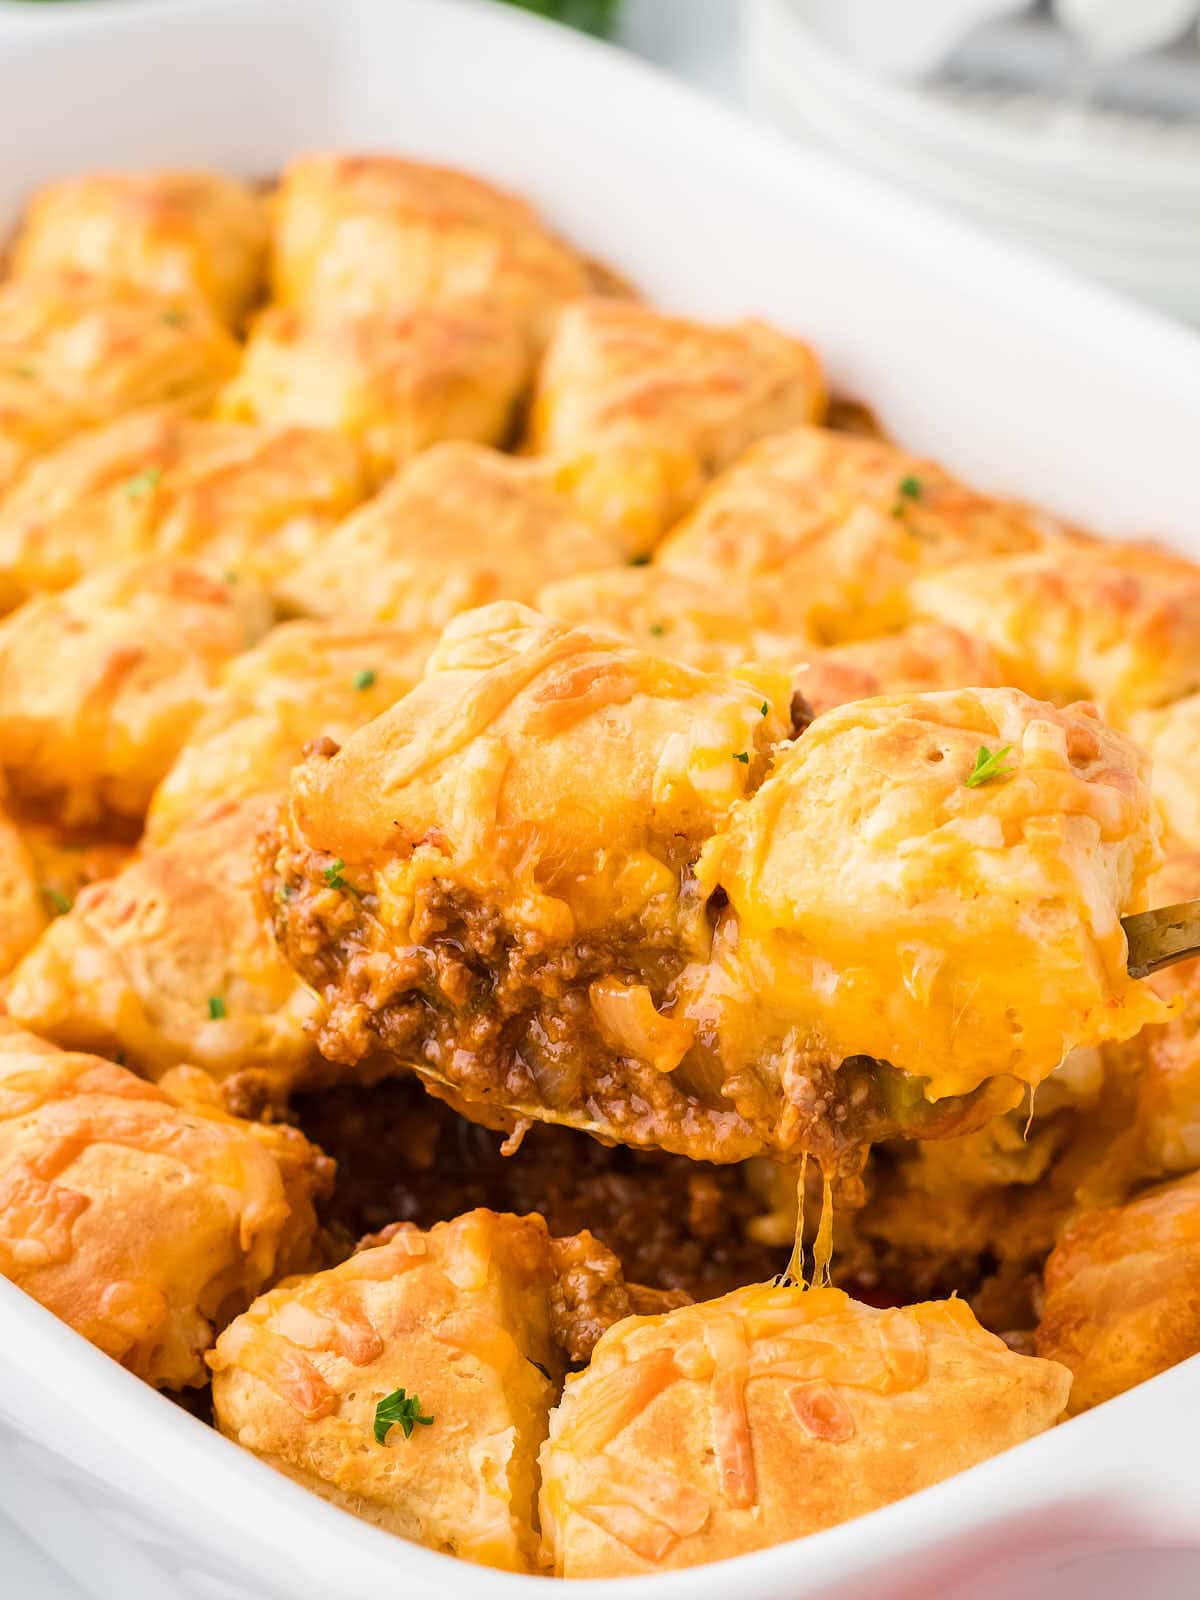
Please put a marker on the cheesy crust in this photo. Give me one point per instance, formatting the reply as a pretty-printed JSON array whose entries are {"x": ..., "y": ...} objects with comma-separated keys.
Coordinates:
[
  {"x": 100, "y": 684},
  {"x": 249, "y": 501},
  {"x": 1120, "y": 1302},
  {"x": 171, "y": 961},
  {"x": 459, "y": 526},
  {"x": 302, "y": 681},
  {"x": 394, "y": 384},
  {"x": 1170, "y": 736},
  {"x": 514, "y": 841},
  {"x": 24, "y": 911},
  {"x": 1115, "y": 623},
  {"x": 641, "y": 409},
  {"x": 770, "y": 1414},
  {"x": 827, "y": 531},
  {"x": 77, "y": 351},
  {"x": 189, "y": 234},
  {"x": 880, "y": 904},
  {"x": 718, "y": 629},
  {"x": 374, "y": 234},
  {"x": 460, "y": 1318},
  {"x": 144, "y": 1221}
]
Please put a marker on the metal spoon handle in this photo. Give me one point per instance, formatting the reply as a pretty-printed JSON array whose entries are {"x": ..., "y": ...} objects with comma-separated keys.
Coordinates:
[{"x": 1159, "y": 938}]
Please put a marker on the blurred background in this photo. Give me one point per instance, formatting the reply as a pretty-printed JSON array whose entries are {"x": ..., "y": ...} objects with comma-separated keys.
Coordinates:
[{"x": 1071, "y": 126}]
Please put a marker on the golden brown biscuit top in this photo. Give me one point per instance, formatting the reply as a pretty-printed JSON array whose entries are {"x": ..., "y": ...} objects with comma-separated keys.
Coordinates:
[
  {"x": 171, "y": 232},
  {"x": 377, "y": 233},
  {"x": 459, "y": 526},
  {"x": 812, "y": 1368},
  {"x": 1116, "y": 623},
  {"x": 558, "y": 767},
  {"x": 158, "y": 483},
  {"x": 937, "y": 881}
]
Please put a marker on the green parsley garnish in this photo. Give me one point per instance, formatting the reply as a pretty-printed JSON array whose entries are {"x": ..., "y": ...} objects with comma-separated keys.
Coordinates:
[
  {"x": 23, "y": 372},
  {"x": 909, "y": 488},
  {"x": 365, "y": 678},
  {"x": 987, "y": 766},
  {"x": 216, "y": 1007},
  {"x": 174, "y": 318},
  {"x": 640, "y": 561},
  {"x": 335, "y": 880},
  {"x": 56, "y": 899},
  {"x": 400, "y": 1409},
  {"x": 229, "y": 575},
  {"x": 764, "y": 709},
  {"x": 742, "y": 755},
  {"x": 137, "y": 488},
  {"x": 658, "y": 629}
]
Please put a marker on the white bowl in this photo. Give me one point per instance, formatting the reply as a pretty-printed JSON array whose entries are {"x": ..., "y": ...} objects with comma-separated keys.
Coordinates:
[{"x": 1022, "y": 379}]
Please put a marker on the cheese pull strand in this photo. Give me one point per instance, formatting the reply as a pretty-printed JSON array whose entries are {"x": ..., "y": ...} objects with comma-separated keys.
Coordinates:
[{"x": 796, "y": 1270}]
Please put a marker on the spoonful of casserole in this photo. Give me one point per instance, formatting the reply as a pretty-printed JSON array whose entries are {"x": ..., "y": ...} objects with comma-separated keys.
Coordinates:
[{"x": 565, "y": 881}]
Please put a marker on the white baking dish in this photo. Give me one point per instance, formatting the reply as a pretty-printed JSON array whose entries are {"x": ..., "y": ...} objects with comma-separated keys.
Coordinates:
[{"x": 1020, "y": 378}]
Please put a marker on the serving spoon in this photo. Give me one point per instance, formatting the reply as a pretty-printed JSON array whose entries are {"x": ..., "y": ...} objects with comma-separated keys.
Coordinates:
[{"x": 1159, "y": 938}]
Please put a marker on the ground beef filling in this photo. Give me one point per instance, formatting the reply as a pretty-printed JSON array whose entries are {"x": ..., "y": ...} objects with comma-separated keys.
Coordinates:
[
  {"x": 499, "y": 1021},
  {"x": 674, "y": 1224}
]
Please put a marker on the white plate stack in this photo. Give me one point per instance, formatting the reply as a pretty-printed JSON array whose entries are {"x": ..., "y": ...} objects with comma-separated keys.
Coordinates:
[{"x": 1068, "y": 142}]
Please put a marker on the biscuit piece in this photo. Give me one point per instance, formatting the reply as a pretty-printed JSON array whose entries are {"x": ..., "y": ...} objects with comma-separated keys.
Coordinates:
[
  {"x": 370, "y": 234},
  {"x": 77, "y": 351},
  {"x": 934, "y": 881},
  {"x": 767, "y": 1415},
  {"x": 394, "y": 384},
  {"x": 196, "y": 235},
  {"x": 172, "y": 961},
  {"x": 642, "y": 409},
  {"x": 457, "y": 1319},
  {"x": 302, "y": 681},
  {"x": 143, "y": 1221},
  {"x": 1115, "y": 623},
  {"x": 1170, "y": 736},
  {"x": 24, "y": 910},
  {"x": 512, "y": 843},
  {"x": 1120, "y": 1292},
  {"x": 824, "y": 531},
  {"x": 459, "y": 526},
  {"x": 709, "y": 627},
  {"x": 1148, "y": 1123},
  {"x": 100, "y": 685},
  {"x": 681, "y": 618},
  {"x": 248, "y": 501}
]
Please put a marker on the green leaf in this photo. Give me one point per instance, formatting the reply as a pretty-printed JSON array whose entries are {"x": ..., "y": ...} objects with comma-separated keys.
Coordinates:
[
  {"x": 399, "y": 1410},
  {"x": 597, "y": 17},
  {"x": 216, "y": 1007},
  {"x": 56, "y": 899},
  {"x": 910, "y": 488},
  {"x": 987, "y": 767},
  {"x": 364, "y": 679},
  {"x": 333, "y": 875},
  {"x": 742, "y": 756},
  {"x": 137, "y": 488}
]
